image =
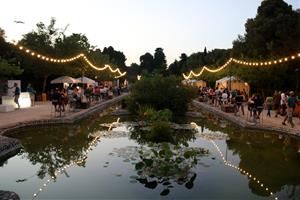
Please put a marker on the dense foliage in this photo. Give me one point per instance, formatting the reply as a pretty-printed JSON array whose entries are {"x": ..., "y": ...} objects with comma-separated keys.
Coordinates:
[
  {"x": 160, "y": 92},
  {"x": 274, "y": 32}
]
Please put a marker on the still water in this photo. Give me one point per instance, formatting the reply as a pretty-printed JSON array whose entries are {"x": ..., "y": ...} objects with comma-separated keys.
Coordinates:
[{"x": 215, "y": 160}]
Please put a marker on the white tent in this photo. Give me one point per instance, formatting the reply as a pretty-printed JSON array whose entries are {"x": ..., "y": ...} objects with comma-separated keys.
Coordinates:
[
  {"x": 64, "y": 79},
  {"x": 236, "y": 84},
  {"x": 86, "y": 80}
]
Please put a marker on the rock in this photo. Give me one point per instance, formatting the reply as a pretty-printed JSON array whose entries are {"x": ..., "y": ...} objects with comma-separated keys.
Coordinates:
[
  {"x": 7, "y": 195},
  {"x": 8, "y": 147}
]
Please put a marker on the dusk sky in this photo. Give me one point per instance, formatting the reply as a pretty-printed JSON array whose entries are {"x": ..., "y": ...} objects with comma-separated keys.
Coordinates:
[{"x": 138, "y": 26}]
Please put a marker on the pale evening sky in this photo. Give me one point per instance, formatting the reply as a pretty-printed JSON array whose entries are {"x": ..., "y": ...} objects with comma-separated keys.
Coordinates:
[{"x": 138, "y": 26}]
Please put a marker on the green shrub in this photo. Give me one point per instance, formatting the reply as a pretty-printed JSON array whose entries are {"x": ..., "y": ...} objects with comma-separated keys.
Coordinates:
[
  {"x": 160, "y": 132},
  {"x": 160, "y": 93}
]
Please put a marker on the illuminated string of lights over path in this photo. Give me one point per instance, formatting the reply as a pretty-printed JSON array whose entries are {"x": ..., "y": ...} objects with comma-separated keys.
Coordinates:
[
  {"x": 68, "y": 60},
  {"x": 242, "y": 62}
]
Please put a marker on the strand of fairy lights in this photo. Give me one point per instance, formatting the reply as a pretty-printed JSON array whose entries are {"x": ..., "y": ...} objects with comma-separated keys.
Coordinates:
[
  {"x": 241, "y": 62},
  {"x": 68, "y": 60},
  {"x": 242, "y": 171},
  {"x": 64, "y": 168}
]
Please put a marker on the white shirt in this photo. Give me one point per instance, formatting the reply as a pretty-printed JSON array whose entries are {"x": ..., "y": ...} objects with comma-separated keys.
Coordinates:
[{"x": 283, "y": 99}]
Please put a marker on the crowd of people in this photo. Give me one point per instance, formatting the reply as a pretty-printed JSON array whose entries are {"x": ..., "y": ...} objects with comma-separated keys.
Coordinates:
[
  {"x": 282, "y": 103},
  {"x": 81, "y": 96}
]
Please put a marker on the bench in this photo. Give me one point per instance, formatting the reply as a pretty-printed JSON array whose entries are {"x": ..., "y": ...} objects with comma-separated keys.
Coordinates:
[{"x": 6, "y": 108}]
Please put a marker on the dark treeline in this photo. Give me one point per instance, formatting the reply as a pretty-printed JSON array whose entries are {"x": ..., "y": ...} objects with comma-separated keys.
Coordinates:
[
  {"x": 273, "y": 33},
  {"x": 53, "y": 42}
]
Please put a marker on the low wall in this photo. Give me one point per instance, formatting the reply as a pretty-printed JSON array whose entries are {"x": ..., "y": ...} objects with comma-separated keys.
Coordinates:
[
  {"x": 242, "y": 122},
  {"x": 67, "y": 119},
  {"x": 10, "y": 146}
]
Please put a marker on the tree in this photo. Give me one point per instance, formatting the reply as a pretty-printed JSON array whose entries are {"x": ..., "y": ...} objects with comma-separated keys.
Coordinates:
[
  {"x": 41, "y": 40},
  {"x": 8, "y": 64},
  {"x": 273, "y": 33},
  {"x": 68, "y": 46},
  {"x": 160, "y": 63},
  {"x": 8, "y": 70},
  {"x": 116, "y": 58},
  {"x": 133, "y": 71},
  {"x": 147, "y": 62}
]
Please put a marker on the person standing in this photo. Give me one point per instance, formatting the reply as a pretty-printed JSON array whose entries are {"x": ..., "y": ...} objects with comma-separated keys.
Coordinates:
[
  {"x": 31, "y": 92},
  {"x": 239, "y": 99},
  {"x": 283, "y": 103},
  {"x": 17, "y": 94},
  {"x": 291, "y": 104},
  {"x": 276, "y": 102},
  {"x": 268, "y": 104}
]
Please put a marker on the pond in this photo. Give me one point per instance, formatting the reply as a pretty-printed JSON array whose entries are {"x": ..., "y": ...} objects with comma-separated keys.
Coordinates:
[{"x": 96, "y": 159}]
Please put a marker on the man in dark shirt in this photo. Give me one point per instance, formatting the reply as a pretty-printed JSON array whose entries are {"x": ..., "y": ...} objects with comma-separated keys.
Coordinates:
[
  {"x": 239, "y": 102},
  {"x": 17, "y": 94},
  {"x": 291, "y": 104}
]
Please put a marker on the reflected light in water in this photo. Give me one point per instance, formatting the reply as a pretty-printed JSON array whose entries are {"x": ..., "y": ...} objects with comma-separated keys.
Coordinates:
[
  {"x": 244, "y": 172},
  {"x": 78, "y": 162}
]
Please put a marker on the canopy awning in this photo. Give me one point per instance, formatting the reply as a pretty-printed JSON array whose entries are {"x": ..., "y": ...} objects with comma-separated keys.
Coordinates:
[
  {"x": 64, "y": 79},
  {"x": 86, "y": 80}
]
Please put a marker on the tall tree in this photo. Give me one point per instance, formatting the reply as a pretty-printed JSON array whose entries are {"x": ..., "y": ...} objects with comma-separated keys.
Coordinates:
[
  {"x": 147, "y": 62},
  {"x": 8, "y": 63},
  {"x": 273, "y": 33},
  {"x": 41, "y": 40},
  {"x": 160, "y": 63},
  {"x": 116, "y": 58}
]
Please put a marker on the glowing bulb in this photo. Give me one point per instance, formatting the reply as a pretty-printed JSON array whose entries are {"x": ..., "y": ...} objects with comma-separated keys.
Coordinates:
[
  {"x": 285, "y": 59},
  {"x": 27, "y": 51},
  {"x": 22, "y": 48},
  {"x": 293, "y": 57},
  {"x": 32, "y": 53}
]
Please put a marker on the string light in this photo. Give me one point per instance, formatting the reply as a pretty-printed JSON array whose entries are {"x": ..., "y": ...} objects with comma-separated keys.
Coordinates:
[
  {"x": 229, "y": 164},
  {"x": 80, "y": 161},
  {"x": 70, "y": 59},
  {"x": 241, "y": 62}
]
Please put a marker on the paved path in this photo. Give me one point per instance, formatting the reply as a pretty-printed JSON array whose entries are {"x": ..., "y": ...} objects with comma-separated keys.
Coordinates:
[
  {"x": 42, "y": 110},
  {"x": 43, "y": 113},
  {"x": 264, "y": 123}
]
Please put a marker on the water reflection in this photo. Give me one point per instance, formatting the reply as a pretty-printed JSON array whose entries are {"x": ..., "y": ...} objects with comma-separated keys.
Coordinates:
[
  {"x": 272, "y": 158},
  {"x": 167, "y": 165},
  {"x": 55, "y": 149},
  {"x": 162, "y": 164}
]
